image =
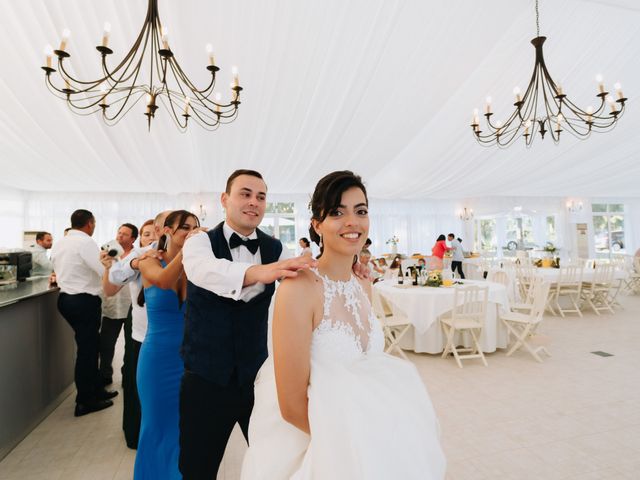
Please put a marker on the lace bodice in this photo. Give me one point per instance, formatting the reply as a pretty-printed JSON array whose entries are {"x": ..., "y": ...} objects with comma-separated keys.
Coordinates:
[{"x": 348, "y": 328}]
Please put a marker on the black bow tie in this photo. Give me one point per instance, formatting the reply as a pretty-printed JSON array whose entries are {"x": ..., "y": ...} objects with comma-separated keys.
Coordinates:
[{"x": 252, "y": 245}]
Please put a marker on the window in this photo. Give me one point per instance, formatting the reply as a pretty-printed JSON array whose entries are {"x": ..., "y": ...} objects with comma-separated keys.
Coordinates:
[
  {"x": 519, "y": 233},
  {"x": 551, "y": 229},
  {"x": 280, "y": 222},
  {"x": 608, "y": 228},
  {"x": 486, "y": 235}
]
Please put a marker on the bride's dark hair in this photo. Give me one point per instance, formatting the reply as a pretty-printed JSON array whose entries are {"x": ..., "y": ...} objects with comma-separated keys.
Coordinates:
[{"x": 327, "y": 196}]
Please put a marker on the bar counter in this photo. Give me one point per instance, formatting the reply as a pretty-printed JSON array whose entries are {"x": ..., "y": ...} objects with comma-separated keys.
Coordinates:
[{"x": 37, "y": 355}]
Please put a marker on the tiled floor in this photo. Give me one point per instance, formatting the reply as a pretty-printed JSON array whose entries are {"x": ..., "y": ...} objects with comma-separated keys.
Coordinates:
[{"x": 576, "y": 416}]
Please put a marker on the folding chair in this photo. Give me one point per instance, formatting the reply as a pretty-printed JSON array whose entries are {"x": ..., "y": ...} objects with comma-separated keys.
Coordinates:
[
  {"x": 632, "y": 269},
  {"x": 394, "y": 326},
  {"x": 527, "y": 304},
  {"x": 468, "y": 314},
  {"x": 596, "y": 292},
  {"x": 569, "y": 285},
  {"x": 524, "y": 325}
]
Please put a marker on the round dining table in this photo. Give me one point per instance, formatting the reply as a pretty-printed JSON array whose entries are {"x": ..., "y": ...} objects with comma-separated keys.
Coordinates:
[{"x": 423, "y": 306}]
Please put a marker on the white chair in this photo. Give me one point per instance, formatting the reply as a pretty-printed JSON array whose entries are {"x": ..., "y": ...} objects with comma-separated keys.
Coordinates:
[
  {"x": 468, "y": 315},
  {"x": 596, "y": 292},
  {"x": 527, "y": 304},
  {"x": 394, "y": 326},
  {"x": 524, "y": 325},
  {"x": 632, "y": 269},
  {"x": 524, "y": 275},
  {"x": 499, "y": 276},
  {"x": 569, "y": 285}
]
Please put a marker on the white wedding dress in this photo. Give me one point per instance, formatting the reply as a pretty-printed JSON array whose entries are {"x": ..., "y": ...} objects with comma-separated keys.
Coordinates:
[{"x": 369, "y": 413}]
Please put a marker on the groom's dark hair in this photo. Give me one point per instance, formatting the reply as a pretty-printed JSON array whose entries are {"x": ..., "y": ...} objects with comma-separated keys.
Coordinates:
[{"x": 239, "y": 172}]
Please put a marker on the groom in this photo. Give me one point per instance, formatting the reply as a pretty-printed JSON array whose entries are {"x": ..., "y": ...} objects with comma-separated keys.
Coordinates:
[{"x": 231, "y": 272}]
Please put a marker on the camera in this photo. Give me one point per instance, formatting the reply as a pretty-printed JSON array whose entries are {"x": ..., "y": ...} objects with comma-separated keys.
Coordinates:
[{"x": 112, "y": 248}]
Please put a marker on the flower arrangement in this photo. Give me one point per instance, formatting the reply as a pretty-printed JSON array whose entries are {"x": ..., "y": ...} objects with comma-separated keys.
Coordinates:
[
  {"x": 550, "y": 247},
  {"x": 434, "y": 278},
  {"x": 393, "y": 241}
]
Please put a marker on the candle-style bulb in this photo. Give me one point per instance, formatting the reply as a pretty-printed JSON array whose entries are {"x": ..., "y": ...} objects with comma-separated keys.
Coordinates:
[
  {"x": 487, "y": 107},
  {"x": 105, "y": 34},
  {"x": 236, "y": 78},
  {"x": 164, "y": 32},
  {"x": 209, "y": 49},
  {"x": 600, "y": 82},
  {"x": 65, "y": 38},
  {"x": 48, "y": 54}
]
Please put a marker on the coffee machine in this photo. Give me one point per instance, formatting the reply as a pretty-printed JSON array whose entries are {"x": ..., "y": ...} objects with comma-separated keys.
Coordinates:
[{"x": 15, "y": 266}]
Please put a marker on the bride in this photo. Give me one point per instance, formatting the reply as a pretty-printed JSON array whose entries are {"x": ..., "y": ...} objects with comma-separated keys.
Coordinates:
[{"x": 329, "y": 403}]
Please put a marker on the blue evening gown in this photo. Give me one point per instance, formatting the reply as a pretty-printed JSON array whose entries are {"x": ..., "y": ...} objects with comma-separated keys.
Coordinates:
[{"x": 160, "y": 369}]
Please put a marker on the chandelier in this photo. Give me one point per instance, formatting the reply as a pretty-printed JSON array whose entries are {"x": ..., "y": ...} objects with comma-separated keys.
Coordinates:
[
  {"x": 466, "y": 214},
  {"x": 119, "y": 89},
  {"x": 545, "y": 108}
]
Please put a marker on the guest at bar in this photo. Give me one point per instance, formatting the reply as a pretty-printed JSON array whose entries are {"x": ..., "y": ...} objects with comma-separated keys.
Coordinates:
[
  {"x": 42, "y": 266},
  {"x": 76, "y": 260}
]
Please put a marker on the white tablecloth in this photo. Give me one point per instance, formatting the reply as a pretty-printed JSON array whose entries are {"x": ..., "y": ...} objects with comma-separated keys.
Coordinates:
[
  {"x": 424, "y": 305},
  {"x": 552, "y": 274}
]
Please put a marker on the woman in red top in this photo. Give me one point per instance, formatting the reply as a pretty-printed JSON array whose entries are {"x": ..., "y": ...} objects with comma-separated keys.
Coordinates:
[{"x": 440, "y": 247}]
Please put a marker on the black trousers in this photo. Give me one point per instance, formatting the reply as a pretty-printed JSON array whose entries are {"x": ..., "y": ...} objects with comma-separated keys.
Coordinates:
[
  {"x": 109, "y": 333},
  {"x": 82, "y": 312},
  {"x": 208, "y": 413},
  {"x": 131, "y": 415},
  {"x": 456, "y": 265}
]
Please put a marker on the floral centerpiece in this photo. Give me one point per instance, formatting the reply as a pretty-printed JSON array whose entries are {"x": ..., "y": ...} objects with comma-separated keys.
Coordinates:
[
  {"x": 393, "y": 241},
  {"x": 434, "y": 278},
  {"x": 550, "y": 248}
]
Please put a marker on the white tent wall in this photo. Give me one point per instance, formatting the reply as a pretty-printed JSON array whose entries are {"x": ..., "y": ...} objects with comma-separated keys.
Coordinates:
[
  {"x": 12, "y": 202},
  {"x": 416, "y": 223}
]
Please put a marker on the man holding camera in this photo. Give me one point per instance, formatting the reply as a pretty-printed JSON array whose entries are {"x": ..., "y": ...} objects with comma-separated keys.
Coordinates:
[
  {"x": 115, "y": 308},
  {"x": 76, "y": 261}
]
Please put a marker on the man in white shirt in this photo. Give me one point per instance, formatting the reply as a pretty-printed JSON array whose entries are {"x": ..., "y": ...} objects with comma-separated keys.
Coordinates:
[
  {"x": 77, "y": 265},
  {"x": 115, "y": 309},
  {"x": 42, "y": 266},
  {"x": 231, "y": 272},
  {"x": 458, "y": 255}
]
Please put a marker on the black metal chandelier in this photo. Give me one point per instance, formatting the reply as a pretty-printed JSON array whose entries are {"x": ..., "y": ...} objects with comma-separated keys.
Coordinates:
[
  {"x": 119, "y": 90},
  {"x": 545, "y": 108}
]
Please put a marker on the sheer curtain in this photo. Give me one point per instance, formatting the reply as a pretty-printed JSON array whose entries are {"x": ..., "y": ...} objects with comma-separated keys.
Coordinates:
[{"x": 11, "y": 217}]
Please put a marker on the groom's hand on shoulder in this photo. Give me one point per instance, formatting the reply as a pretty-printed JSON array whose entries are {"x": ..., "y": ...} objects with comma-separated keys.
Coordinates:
[{"x": 271, "y": 272}]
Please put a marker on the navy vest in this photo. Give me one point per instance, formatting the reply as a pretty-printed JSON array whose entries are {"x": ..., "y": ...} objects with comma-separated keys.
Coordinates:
[{"x": 223, "y": 337}]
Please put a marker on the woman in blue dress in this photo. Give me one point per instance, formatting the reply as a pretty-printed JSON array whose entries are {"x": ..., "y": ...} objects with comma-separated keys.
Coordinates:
[{"x": 160, "y": 367}]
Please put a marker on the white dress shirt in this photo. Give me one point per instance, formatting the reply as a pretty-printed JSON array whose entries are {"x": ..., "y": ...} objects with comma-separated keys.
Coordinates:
[
  {"x": 76, "y": 261},
  {"x": 219, "y": 275},
  {"x": 41, "y": 263},
  {"x": 121, "y": 273}
]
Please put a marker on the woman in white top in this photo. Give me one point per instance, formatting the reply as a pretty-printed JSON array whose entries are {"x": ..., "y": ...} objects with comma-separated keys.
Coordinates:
[{"x": 329, "y": 403}]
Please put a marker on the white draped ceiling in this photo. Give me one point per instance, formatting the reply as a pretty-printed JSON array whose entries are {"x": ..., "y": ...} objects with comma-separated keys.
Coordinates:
[{"x": 383, "y": 87}]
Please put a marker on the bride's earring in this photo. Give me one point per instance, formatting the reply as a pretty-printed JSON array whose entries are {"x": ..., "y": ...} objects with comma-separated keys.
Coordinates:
[{"x": 320, "y": 244}]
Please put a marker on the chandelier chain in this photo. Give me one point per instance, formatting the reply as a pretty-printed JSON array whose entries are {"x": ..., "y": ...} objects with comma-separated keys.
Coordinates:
[{"x": 537, "y": 20}]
